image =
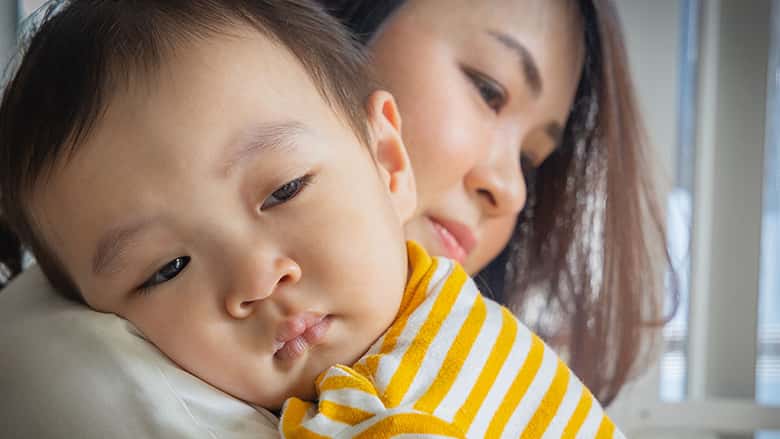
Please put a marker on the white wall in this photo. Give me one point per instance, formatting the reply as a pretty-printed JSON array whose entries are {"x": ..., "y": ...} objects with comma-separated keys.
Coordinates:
[{"x": 652, "y": 31}]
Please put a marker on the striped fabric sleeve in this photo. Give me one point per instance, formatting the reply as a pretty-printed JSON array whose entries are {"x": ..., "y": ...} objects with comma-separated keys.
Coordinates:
[
  {"x": 454, "y": 365},
  {"x": 350, "y": 406}
]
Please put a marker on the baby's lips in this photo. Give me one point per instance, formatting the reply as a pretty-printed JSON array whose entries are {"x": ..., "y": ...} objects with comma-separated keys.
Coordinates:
[
  {"x": 312, "y": 336},
  {"x": 296, "y": 334},
  {"x": 292, "y": 348},
  {"x": 294, "y": 326}
]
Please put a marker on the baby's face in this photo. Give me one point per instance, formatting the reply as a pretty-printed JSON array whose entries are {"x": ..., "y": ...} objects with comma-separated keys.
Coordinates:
[{"x": 226, "y": 211}]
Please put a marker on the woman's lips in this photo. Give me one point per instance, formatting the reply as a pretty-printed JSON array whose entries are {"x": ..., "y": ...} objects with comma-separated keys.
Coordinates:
[
  {"x": 456, "y": 238},
  {"x": 300, "y": 333}
]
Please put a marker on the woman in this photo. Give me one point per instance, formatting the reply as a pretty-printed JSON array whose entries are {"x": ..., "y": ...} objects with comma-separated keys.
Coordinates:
[{"x": 522, "y": 128}]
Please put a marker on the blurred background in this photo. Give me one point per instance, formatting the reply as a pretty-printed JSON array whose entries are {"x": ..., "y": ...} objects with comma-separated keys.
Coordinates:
[{"x": 708, "y": 78}]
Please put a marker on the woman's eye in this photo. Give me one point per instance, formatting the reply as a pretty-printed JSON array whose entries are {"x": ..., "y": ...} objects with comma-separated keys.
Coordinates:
[
  {"x": 491, "y": 91},
  {"x": 526, "y": 164},
  {"x": 166, "y": 273},
  {"x": 287, "y": 192},
  {"x": 529, "y": 170}
]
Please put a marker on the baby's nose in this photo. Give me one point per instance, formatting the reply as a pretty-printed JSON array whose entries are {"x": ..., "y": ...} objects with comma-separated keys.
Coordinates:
[{"x": 257, "y": 280}]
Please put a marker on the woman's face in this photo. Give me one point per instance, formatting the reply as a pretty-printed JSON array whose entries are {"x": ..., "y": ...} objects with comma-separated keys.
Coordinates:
[{"x": 484, "y": 90}]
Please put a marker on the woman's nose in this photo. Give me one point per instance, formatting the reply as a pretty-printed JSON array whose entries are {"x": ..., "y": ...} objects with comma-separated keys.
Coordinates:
[
  {"x": 256, "y": 279},
  {"x": 498, "y": 185}
]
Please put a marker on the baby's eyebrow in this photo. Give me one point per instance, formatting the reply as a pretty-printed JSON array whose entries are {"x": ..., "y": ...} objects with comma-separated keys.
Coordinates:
[
  {"x": 263, "y": 137},
  {"x": 112, "y": 244}
]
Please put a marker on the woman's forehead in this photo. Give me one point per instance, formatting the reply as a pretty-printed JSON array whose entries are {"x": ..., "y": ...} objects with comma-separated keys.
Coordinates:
[
  {"x": 530, "y": 15},
  {"x": 546, "y": 33}
]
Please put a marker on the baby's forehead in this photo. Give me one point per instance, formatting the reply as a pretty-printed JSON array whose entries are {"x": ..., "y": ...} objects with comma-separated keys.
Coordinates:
[
  {"x": 205, "y": 57},
  {"x": 176, "y": 88},
  {"x": 224, "y": 72},
  {"x": 227, "y": 93}
]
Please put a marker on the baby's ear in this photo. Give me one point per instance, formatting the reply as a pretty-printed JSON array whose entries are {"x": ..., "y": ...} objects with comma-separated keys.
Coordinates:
[{"x": 389, "y": 152}]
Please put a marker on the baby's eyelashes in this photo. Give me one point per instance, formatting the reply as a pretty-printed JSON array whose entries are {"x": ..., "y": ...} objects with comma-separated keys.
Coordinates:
[
  {"x": 164, "y": 274},
  {"x": 286, "y": 192}
]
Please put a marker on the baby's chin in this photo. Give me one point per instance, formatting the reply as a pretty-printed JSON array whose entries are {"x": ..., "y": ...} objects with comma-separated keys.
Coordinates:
[
  {"x": 316, "y": 361},
  {"x": 303, "y": 389}
]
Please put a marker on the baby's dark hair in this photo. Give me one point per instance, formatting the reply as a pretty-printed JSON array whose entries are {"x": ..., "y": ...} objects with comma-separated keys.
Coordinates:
[{"x": 84, "y": 50}]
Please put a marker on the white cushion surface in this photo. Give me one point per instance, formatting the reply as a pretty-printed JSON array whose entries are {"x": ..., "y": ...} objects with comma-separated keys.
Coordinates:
[{"x": 67, "y": 371}]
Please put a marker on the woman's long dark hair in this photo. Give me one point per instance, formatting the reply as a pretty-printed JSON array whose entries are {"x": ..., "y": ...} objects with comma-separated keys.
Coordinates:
[{"x": 587, "y": 246}]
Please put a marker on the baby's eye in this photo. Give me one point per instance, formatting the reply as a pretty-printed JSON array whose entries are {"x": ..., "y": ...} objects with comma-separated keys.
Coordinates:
[
  {"x": 491, "y": 91},
  {"x": 166, "y": 273},
  {"x": 287, "y": 192}
]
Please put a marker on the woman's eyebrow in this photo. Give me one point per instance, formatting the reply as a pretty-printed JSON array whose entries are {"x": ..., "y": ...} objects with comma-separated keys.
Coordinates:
[{"x": 527, "y": 62}]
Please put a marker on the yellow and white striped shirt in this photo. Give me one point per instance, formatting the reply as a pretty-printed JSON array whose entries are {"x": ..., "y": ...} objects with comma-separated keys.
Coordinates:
[{"x": 452, "y": 364}]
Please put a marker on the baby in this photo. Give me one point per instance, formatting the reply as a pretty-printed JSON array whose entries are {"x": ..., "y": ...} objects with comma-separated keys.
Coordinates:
[{"x": 222, "y": 174}]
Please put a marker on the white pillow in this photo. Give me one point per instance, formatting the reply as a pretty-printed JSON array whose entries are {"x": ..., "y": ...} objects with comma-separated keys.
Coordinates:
[{"x": 67, "y": 371}]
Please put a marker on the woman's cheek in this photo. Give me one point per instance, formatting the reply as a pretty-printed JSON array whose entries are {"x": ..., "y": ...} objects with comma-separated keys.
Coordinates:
[
  {"x": 444, "y": 153},
  {"x": 496, "y": 234}
]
